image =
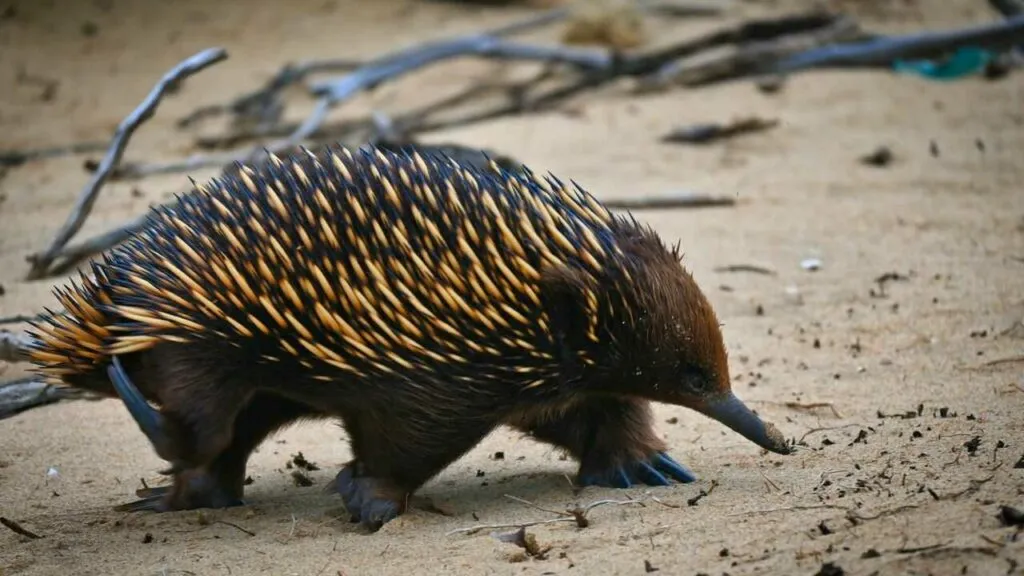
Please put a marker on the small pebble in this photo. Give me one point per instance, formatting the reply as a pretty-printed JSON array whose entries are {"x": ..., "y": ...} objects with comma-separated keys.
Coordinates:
[{"x": 810, "y": 264}]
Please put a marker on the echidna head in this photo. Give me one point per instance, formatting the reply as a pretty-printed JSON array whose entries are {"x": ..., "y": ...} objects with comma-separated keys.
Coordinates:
[{"x": 672, "y": 349}]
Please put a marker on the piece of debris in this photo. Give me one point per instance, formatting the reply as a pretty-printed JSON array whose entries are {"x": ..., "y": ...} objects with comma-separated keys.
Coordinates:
[
  {"x": 881, "y": 157},
  {"x": 648, "y": 567},
  {"x": 972, "y": 445},
  {"x": 1020, "y": 463},
  {"x": 18, "y": 529},
  {"x": 830, "y": 569},
  {"x": 300, "y": 462},
  {"x": 616, "y": 25},
  {"x": 712, "y": 132},
  {"x": 526, "y": 541},
  {"x": 301, "y": 479},
  {"x": 1011, "y": 516},
  {"x": 811, "y": 264},
  {"x": 746, "y": 268}
]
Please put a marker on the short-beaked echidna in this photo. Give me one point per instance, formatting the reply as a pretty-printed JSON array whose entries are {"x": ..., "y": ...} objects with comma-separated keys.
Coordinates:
[{"x": 419, "y": 301}]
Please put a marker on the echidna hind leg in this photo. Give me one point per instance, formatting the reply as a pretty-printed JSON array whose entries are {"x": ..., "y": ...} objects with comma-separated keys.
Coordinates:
[
  {"x": 614, "y": 441},
  {"x": 150, "y": 421},
  {"x": 221, "y": 483},
  {"x": 392, "y": 462},
  {"x": 200, "y": 395}
]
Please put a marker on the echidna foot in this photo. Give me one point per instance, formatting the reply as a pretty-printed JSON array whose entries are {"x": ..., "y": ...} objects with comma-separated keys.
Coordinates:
[
  {"x": 656, "y": 471},
  {"x": 191, "y": 490},
  {"x": 363, "y": 499}
]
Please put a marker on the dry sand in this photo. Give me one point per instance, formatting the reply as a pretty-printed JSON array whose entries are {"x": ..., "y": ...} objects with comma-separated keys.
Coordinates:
[{"x": 869, "y": 494}]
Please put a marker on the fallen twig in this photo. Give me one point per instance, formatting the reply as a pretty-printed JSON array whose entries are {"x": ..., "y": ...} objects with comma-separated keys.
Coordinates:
[
  {"x": 713, "y": 132},
  {"x": 262, "y": 105},
  {"x": 72, "y": 255},
  {"x": 18, "y": 529},
  {"x": 746, "y": 268},
  {"x": 235, "y": 526},
  {"x": 883, "y": 51},
  {"x": 827, "y": 429},
  {"x": 16, "y": 319},
  {"x": 20, "y": 395},
  {"x": 13, "y": 158},
  {"x": 680, "y": 200},
  {"x": 578, "y": 514},
  {"x": 13, "y": 346},
  {"x": 791, "y": 509},
  {"x": 812, "y": 406},
  {"x": 752, "y": 58},
  {"x": 172, "y": 79},
  {"x": 259, "y": 103}
]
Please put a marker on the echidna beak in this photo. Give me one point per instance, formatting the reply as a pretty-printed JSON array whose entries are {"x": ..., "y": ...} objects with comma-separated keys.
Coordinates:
[
  {"x": 731, "y": 411},
  {"x": 148, "y": 419}
]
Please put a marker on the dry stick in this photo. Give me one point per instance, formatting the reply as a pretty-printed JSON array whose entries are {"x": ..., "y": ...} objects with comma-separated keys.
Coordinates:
[
  {"x": 750, "y": 57},
  {"x": 71, "y": 256},
  {"x": 681, "y": 200},
  {"x": 13, "y": 158},
  {"x": 13, "y": 346},
  {"x": 292, "y": 74},
  {"x": 747, "y": 268},
  {"x": 258, "y": 102},
  {"x": 577, "y": 514},
  {"x": 171, "y": 79},
  {"x": 407, "y": 122},
  {"x": 18, "y": 529},
  {"x": 334, "y": 92},
  {"x": 20, "y": 395},
  {"x": 883, "y": 51},
  {"x": 16, "y": 319}
]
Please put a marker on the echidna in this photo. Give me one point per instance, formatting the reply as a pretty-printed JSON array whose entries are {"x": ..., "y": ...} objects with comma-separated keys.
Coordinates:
[{"x": 420, "y": 301}]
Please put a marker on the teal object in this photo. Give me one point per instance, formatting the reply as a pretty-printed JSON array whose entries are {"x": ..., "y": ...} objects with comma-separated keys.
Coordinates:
[{"x": 964, "y": 62}]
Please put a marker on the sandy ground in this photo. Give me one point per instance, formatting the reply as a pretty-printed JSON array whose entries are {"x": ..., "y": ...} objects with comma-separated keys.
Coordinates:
[{"x": 868, "y": 494}]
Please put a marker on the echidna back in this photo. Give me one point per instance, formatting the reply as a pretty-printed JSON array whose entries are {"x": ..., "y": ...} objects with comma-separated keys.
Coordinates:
[{"x": 366, "y": 262}]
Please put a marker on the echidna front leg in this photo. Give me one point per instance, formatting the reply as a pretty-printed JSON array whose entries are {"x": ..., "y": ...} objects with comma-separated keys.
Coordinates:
[
  {"x": 613, "y": 439},
  {"x": 221, "y": 483}
]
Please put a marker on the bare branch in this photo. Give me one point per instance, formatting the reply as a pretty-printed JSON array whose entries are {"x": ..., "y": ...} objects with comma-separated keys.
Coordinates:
[
  {"x": 677, "y": 200},
  {"x": 13, "y": 346},
  {"x": 18, "y": 529},
  {"x": 16, "y": 319},
  {"x": 884, "y": 50},
  {"x": 170, "y": 80},
  {"x": 751, "y": 58},
  {"x": 260, "y": 105},
  {"x": 13, "y": 158},
  {"x": 21, "y": 395},
  {"x": 72, "y": 255}
]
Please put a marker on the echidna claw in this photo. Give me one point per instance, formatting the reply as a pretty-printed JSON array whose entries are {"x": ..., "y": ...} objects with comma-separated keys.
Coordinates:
[
  {"x": 659, "y": 470},
  {"x": 150, "y": 503},
  {"x": 149, "y": 420}
]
